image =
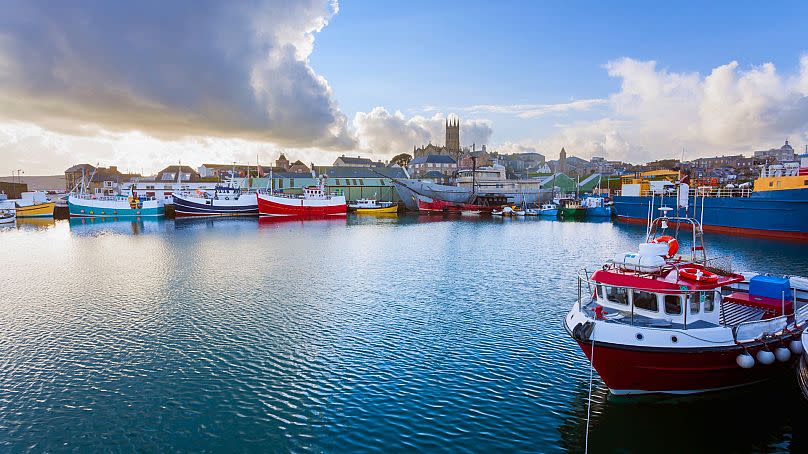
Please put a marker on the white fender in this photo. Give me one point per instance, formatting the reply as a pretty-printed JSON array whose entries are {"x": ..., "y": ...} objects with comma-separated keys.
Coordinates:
[
  {"x": 745, "y": 360},
  {"x": 765, "y": 357}
]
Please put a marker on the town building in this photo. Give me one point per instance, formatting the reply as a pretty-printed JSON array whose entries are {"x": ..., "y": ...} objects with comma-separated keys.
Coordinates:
[
  {"x": 346, "y": 161},
  {"x": 98, "y": 180},
  {"x": 451, "y": 147},
  {"x": 442, "y": 163},
  {"x": 782, "y": 154}
]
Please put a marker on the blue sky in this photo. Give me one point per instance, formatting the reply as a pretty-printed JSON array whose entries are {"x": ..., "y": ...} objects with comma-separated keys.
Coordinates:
[
  {"x": 137, "y": 84},
  {"x": 405, "y": 55}
]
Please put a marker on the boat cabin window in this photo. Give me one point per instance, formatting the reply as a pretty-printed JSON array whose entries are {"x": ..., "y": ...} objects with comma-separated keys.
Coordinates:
[
  {"x": 645, "y": 300},
  {"x": 673, "y": 304},
  {"x": 708, "y": 298},
  {"x": 694, "y": 303},
  {"x": 617, "y": 295}
]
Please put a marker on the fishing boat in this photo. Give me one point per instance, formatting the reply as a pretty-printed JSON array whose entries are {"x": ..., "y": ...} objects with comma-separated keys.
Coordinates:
[
  {"x": 314, "y": 202},
  {"x": 114, "y": 206},
  {"x": 597, "y": 207},
  {"x": 571, "y": 209},
  {"x": 32, "y": 204},
  {"x": 549, "y": 210},
  {"x": 371, "y": 206},
  {"x": 653, "y": 321},
  {"x": 7, "y": 217},
  {"x": 774, "y": 205},
  {"x": 225, "y": 201},
  {"x": 429, "y": 205}
]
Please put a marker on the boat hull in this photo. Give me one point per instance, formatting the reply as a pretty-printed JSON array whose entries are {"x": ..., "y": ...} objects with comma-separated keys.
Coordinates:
[
  {"x": 572, "y": 213},
  {"x": 429, "y": 205},
  {"x": 269, "y": 205},
  {"x": 628, "y": 370},
  {"x": 39, "y": 210},
  {"x": 380, "y": 210},
  {"x": 599, "y": 212},
  {"x": 777, "y": 214},
  {"x": 84, "y": 208},
  {"x": 186, "y": 206}
]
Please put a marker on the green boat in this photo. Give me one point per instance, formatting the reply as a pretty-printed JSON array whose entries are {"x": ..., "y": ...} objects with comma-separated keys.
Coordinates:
[{"x": 571, "y": 209}]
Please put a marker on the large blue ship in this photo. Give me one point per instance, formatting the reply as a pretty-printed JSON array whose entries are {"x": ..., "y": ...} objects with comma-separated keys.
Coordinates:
[{"x": 776, "y": 207}]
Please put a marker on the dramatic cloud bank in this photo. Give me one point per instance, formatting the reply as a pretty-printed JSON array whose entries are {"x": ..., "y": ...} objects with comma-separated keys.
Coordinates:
[
  {"x": 384, "y": 133},
  {"x": 170, "y": 69},
  {"x": 657, "y": 113}
]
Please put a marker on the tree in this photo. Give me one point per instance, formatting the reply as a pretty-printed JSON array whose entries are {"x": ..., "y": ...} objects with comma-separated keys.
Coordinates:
[{"x": 402, "y": 159}]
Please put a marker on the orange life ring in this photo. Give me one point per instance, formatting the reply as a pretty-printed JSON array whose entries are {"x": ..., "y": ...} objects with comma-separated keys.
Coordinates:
[
  {"x": 673, "y": 244},
  {"x": 698, "y": 275}
]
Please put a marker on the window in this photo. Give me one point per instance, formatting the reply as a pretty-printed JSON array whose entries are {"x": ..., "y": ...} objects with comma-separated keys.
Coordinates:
[
  {"x": 673, "y": 304},
  {"x": 291, "y": 182},
  {"x": 354, "y": 181},
  {"x": 361, "y": 182},
  {"x": 336, "y": 182},
  {"x": 280, "y": 183},
  {"x": 694, "y": 303},
  {"x": 645, "y": 300},
  {"x": 708, "y": 298},
  {"x": 617, "y": 295}
]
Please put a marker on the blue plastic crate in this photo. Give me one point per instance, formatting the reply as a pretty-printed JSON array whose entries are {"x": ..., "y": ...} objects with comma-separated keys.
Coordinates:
[{"x": 770, "y": 287}]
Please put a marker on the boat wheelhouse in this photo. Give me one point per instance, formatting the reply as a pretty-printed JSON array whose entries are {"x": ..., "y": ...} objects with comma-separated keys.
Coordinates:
[{"x": 655, "y": 322}]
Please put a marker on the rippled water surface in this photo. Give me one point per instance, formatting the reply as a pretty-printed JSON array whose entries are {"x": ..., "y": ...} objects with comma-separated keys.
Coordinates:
[{"x": 388, "y": 334}]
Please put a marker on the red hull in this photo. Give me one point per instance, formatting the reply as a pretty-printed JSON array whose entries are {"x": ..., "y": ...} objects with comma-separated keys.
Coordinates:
[
  {"x": 440, "y": 206},
  {"x": 631, "y": 371},
  {"x": 799, "y": 236},
  {"x": 299, "y": 208}
]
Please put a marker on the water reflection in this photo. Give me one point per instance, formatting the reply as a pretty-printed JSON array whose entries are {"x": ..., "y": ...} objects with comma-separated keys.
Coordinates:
[
  {"x": 35, "y": 223},
  {"x": 767, "y": 417},
  {"x": 120, "y": 226}
]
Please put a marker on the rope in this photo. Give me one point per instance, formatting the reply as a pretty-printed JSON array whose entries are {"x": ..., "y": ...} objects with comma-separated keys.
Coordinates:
[{"x": 589, "y": 402}]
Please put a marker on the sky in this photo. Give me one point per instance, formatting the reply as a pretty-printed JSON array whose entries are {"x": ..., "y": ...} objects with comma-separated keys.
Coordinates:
[{"x": 143, "y": 85}]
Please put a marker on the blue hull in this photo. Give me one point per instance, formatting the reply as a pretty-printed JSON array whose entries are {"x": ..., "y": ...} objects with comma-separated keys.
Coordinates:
[
  {"x": 549, "y": 213},
  {"x": 769, "y": 213},
  {"x": 599, "y": 212}
]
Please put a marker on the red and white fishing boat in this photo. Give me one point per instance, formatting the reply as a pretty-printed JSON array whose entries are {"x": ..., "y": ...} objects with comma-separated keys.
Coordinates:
[
  {"x": 657, "y": 322},
  {"x": 314, "y": 202}
]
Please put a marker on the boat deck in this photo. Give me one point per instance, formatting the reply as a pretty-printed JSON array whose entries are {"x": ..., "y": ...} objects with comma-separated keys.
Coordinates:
[{"x": 731, "y": 315}]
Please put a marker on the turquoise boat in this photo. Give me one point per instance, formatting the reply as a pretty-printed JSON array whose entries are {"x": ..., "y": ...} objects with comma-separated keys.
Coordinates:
[{"x": 86, "y": 205}]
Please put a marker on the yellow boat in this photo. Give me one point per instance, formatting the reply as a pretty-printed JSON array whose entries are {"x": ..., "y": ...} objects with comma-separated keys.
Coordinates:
[
  {"x": 37, "y": 210},
  {"x": 370, "y": 206}
]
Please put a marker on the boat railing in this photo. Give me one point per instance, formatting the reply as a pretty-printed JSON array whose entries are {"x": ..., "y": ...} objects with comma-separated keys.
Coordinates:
[
  {"x": 704, "y": 191},
  {"x": 757, "y": 329}
]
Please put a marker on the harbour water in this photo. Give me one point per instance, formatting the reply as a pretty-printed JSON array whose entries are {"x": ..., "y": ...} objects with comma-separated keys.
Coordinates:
[{"x": 365, "y": 334}]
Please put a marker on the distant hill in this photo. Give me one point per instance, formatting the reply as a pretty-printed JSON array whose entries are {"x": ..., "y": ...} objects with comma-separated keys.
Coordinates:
[{"x": 40, "y": 182}]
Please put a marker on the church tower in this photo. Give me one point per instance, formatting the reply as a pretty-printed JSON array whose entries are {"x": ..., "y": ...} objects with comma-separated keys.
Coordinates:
[
  {"x": 453, "y": 137},
  {"x": 562, "y": 161}
]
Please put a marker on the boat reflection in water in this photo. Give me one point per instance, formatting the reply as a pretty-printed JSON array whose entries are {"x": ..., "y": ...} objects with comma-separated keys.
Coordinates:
[
  {"x": 272, "y": 221},
  {"x": 35, "y": 223},
  {"x": 653, "y": 420},
  {"x": 121, "y": 226}
]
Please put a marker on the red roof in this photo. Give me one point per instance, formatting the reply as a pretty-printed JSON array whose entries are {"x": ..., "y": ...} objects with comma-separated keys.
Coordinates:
[{"x": 667, "y": 279}]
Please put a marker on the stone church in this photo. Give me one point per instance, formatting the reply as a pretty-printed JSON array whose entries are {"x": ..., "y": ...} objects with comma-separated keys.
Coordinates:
[{"x": 451, "y": 148}]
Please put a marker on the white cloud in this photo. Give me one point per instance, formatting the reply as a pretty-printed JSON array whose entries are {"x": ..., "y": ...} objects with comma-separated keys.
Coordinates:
[
  {"x": 536, "y": 110},
  {"x": 657, "y": 113},
  {"x": 171, "y": 70},
  {"x": 385, "y": 134}
]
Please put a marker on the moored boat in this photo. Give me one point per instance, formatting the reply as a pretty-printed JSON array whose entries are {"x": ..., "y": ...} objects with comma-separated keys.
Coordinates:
[
  {"x": 571, "y": 209},
  {"x": 225, "y": 201},
  {"x": 549, "y": 210},
  {"x": 597, "y": 207},
  {"x": 775, "y": 206},
  {"x": 372, "y": 206},
  {"x": 655, "y": 322},
  {"x": 314, "y": 202},
  {"x": 7, "y": 216},
  {"x": 114, "y": 206}
]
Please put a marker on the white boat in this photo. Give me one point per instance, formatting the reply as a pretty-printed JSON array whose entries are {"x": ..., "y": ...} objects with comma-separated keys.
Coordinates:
[{"x": 7, "y": 217}]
